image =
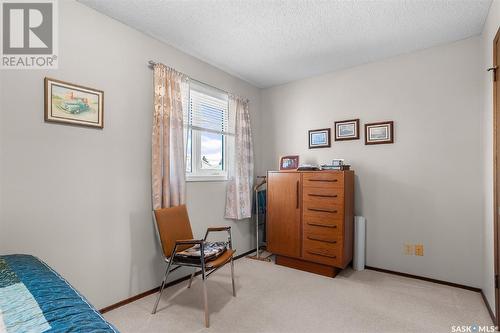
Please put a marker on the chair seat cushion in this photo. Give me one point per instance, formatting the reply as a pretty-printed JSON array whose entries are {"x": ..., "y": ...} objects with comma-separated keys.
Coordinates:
[
  {"x": 221, "y": 260},
  {"x": 212, "y": 251}
]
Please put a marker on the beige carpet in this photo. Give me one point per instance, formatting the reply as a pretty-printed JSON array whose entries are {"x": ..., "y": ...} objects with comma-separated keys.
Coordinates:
[{"x": 272, "y": 298}]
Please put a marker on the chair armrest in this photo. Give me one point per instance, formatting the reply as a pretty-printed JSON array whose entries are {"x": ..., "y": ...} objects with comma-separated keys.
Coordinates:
[
  {"x": 189, "y": 241},
  {"x": 186, "y": 242},
  {"x": 216, "y": 229},
  {"x": 200, "y": 242}
]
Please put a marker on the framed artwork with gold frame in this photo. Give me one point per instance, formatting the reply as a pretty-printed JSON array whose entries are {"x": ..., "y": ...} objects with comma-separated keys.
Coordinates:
[{"x": 72, "y": 104}]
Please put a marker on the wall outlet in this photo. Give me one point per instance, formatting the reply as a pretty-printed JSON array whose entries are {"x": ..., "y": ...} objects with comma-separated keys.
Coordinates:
[
  {"x": 409, "y": 249},
  {"x": 419, "y": 249}
]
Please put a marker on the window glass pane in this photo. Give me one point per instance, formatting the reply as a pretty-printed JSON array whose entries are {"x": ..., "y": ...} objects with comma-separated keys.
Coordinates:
[{"x": 211, "y": 151}]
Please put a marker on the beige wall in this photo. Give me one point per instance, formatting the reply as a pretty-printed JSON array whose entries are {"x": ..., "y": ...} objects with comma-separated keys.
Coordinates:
[
  {"x": 79, "y": 198},
  {"x": 426, "y": 188},
  {"x": 486, "y": 51}
]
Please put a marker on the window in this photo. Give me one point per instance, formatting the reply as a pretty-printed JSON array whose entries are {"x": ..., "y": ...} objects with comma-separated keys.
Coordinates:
[{"x": 209, "y": 133}]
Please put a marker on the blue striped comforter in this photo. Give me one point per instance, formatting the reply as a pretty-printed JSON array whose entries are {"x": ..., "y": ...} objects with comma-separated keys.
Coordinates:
[{"x": 34, "y": 298}]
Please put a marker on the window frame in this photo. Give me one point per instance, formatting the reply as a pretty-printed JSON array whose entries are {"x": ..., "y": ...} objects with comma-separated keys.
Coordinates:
[{"x": 198, "y": 174}]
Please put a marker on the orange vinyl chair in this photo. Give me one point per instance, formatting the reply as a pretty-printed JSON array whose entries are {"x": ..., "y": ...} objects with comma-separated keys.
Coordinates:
[{"x": 174, "y": 231}]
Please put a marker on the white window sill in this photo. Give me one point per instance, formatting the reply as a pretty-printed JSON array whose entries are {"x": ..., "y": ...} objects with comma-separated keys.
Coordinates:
[{"x": 208, "y": 178}]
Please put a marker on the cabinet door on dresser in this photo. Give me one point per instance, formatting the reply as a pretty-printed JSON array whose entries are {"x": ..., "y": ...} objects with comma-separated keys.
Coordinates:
[{"x": 284, "y": 226}]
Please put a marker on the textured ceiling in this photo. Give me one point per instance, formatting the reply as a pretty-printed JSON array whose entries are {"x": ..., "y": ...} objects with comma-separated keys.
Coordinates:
[{"x": 271, "y": 42}]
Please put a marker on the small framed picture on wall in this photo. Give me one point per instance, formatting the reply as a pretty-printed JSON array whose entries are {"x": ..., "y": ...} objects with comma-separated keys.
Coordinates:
[
  {"x": 379, "y": 133},
  {"x": 347, "y": 130},
  {"x": 319, "y": 138}
]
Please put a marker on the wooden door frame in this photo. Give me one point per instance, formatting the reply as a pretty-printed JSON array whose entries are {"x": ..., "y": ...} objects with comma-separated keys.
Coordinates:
[{"x": 496, "y": 154}]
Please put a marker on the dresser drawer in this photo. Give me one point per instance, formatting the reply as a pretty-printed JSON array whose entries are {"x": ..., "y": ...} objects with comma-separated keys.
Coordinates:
[
  {"x": 323, "y": 252},
  {"x": 323, "y": 179},
  {"x": 314, "y": 222},
  {"x": 326, "y": 214},
  {"x": 329, "y": 233},
  {"x": 322, "y": 197}
]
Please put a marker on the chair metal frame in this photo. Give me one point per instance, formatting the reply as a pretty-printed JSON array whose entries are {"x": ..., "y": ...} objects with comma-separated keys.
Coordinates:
[{"x": 204, "y": 270}]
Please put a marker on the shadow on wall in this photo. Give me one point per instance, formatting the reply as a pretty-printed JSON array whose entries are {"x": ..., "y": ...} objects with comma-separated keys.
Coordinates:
[{"x": 146, "y": 258}]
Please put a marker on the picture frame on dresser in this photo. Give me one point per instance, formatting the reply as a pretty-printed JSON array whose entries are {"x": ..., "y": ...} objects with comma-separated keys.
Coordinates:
[
  {"x": 379, "y": 133},
  {"x": 290, "y": 162},
  {"x": 347, "y": 130},
  {"x": 319, "y": 138}
]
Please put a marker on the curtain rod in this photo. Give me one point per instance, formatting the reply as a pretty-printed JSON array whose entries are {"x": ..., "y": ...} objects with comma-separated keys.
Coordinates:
[{"x": 151, "y": 64}]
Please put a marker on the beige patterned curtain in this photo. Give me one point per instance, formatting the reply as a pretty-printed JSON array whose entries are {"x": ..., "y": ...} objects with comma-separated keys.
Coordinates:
[
  {"x": 168, "y": 159},
  {"x": 239, "y": 187}
]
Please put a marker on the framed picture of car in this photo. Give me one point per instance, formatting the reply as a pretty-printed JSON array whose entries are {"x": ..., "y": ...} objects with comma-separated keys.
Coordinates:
[{"x": 71, "y": 104}]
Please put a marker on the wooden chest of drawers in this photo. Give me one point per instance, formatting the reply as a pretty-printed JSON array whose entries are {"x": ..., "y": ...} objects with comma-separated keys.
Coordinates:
[{"x": 310, "y": 219}]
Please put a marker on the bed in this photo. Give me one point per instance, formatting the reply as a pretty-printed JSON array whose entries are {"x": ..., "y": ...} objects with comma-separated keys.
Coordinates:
[{"x": 34, "y": 298}]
